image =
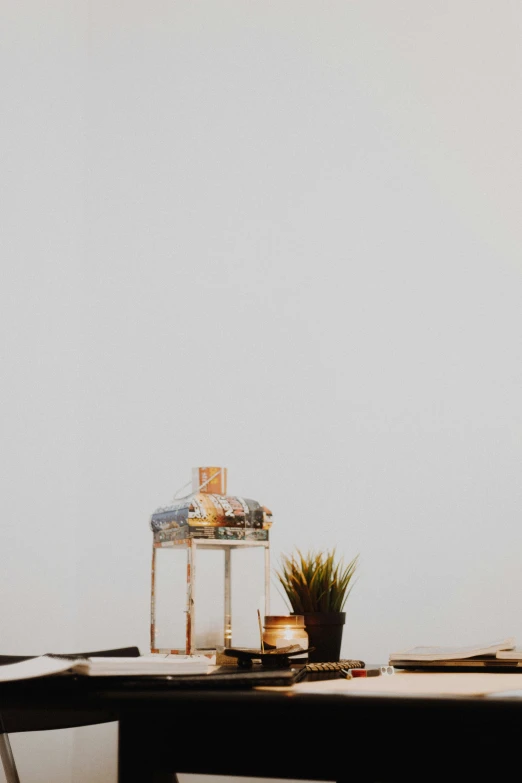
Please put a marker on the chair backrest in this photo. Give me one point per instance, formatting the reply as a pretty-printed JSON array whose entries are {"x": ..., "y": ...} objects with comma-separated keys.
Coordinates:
[
  {"x": 117, "y": 652},
  {"x": 13, "y": 720}
]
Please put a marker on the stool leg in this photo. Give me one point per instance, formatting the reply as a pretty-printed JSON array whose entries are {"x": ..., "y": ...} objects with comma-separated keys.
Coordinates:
[{"x": 8, "y": 762}]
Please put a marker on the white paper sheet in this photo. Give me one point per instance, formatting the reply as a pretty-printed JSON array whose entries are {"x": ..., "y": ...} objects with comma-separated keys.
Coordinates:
[
  {"x": 419, "y": 684},
  {"x": 33, "y": 667}
]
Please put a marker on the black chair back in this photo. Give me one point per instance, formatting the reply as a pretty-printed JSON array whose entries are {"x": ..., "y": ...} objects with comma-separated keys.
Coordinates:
[{"x": 13, "y": 720}]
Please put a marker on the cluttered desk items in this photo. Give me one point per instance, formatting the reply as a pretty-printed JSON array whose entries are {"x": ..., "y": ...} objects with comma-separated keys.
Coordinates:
[
  {"x": 286, "y": 643},
  {"x": 283, "y": 645},
  {"x": 317, "y": 585},
  {"x": 208, "y": 535},
  {"x": 147, "y": 672}
]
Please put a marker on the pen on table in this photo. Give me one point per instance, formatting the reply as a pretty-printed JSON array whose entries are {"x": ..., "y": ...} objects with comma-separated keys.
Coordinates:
[{"x": 375, "y": 672}]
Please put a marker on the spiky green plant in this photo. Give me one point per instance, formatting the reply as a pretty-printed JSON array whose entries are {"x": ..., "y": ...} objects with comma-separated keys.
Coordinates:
[{"x": 316, "y": 581}]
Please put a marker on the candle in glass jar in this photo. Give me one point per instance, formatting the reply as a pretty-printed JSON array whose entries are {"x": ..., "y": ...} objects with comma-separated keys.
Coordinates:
[{"x": 284, "y": 630}]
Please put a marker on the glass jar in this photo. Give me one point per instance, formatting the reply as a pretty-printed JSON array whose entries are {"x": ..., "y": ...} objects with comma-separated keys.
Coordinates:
[{"x": 284, "y": 630}]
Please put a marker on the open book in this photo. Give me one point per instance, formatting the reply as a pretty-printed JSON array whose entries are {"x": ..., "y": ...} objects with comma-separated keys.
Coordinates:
[
  {"x": 452, "y": 653},
  {"x": 143, "y": 665}
]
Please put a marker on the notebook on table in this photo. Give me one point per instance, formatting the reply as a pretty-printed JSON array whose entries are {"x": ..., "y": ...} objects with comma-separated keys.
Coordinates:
[{"x": 495, "y": 656}]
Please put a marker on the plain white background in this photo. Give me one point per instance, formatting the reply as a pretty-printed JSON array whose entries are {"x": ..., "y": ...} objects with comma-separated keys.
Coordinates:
[{"x": 283, "y": 237}]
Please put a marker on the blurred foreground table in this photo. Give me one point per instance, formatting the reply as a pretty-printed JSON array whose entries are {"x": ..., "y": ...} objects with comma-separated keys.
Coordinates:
[{"x": 282, "y": 733}]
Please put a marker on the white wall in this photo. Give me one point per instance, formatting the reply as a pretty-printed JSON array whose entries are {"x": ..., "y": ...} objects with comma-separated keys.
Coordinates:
[{"x": 282, "y": 237}]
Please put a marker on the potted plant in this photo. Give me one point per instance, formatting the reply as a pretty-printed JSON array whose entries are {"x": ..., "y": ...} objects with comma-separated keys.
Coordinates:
[{"x": 317, "y": 585}]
